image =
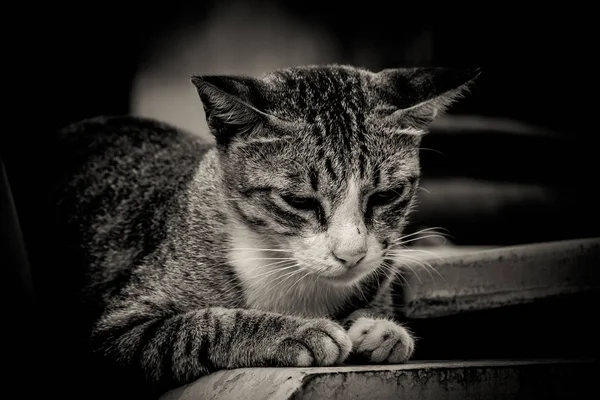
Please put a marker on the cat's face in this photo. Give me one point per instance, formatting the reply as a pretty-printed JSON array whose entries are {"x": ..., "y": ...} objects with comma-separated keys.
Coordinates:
[{"x": 322, "y": 163}]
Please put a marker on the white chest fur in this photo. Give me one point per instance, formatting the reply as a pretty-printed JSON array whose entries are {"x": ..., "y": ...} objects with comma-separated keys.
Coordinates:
[{"x": 273, "y": 282}]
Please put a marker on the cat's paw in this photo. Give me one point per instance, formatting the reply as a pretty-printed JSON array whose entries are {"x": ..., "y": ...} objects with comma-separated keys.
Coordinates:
[
  {"x": 316, "y": 342},
  {"x": 381, "y": 340}
]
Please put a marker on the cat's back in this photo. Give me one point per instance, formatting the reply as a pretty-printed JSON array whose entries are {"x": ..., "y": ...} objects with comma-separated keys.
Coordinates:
[
  {"x": 124, "y": 160},
  {"x": 125, "y": 148},
  {"x": 119, "y": 182}
]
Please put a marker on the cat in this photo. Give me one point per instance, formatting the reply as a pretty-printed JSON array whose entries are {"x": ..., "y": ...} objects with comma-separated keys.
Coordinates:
[{"x": 271, "y": 245}]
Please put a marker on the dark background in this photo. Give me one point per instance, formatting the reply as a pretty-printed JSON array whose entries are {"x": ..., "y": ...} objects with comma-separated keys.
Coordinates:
[{"x": 69, "y": 63}]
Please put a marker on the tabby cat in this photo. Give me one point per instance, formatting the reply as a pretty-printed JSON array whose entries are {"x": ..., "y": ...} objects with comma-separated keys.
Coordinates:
[{"x": 268, "y": 247}]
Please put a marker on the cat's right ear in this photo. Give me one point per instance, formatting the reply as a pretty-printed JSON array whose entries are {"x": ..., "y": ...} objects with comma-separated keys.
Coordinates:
[
  {"x": 416, "y": 96},
  {"x": 232, "y": 104}
]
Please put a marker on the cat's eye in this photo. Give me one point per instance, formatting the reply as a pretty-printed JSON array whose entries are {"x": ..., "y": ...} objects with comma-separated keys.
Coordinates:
[
  {"x": 300, "y": 203},
  {"x": 385, "y": 197}
]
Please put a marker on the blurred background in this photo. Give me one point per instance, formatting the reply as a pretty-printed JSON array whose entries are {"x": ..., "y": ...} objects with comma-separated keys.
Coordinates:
[{"x": 515, "y": 162}]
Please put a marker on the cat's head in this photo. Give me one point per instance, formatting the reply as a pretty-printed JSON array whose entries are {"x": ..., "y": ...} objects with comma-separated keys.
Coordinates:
[{"x": 322, "y": 161}]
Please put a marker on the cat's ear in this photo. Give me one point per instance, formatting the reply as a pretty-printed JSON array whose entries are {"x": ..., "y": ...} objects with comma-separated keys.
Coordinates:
[
  {"x": 232, "y": 104},
  {"x": 416, "y": 96}
]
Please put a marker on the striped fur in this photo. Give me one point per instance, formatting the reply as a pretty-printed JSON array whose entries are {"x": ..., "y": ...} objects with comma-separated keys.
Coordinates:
[{"x": 201, "y": 257}]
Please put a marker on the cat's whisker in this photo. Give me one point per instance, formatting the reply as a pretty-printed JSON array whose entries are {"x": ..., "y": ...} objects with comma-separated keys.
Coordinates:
[
  {"x": 262, "y": 267},
  {"x": 273, "y": 284},
  {"x": 267, "y": 250},
  {"x": 433, "y": 150},
  {"x": 399, "y": 255},
  {"x": 269, "y": 267},
  {"x": 297, "y": 281},
  {"x": 362, "y": 292},
  {"x": 386, "y": 271},
  {"x": 413, "y": 271},
  {"x": 261, "y": 258},
  {"x": 288, "y": 275},
  {"x": 275, "y": 271},
  {"x": 255, "y": 259},
  {"x": 398, "y": 260},
  {"x": 424, "y": 230},
  {"x": 373, "y": 276},
  {"x": 424, "y": 235},
  {"x": 407, "y": 265},
  {"x": 419, "y": 238},
  {"x": 425, "y": 190},
  {"x": 425, "y": 265},
  {"x": 358, "y": 286},
  {"x": 408, "y": 250},
  {"x": 389, "y": 269},
  {"x": 274, "y": 266},
  {"x": 266, "y": 270},
  {"x": 298, "y": 271}
]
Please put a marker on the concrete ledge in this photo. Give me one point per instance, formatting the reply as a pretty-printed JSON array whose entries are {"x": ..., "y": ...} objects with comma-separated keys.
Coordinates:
[
  {"x": 468, "y": 280},
  {"x": 463, "y": 380}
]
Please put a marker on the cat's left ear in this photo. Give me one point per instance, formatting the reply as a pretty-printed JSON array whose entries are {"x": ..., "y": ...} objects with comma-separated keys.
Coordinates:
[
  {"x": 416, "y": 96},
  {"x": 232, "y": 104}
]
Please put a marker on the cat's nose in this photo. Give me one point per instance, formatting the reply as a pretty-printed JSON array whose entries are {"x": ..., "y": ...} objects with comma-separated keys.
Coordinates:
[{"x": 350, "y": 259}]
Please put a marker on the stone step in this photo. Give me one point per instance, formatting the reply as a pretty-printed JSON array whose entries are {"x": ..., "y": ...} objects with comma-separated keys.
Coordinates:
[
  {"x": 449, "y": 280},
  {"x": 460, "y": 380}
]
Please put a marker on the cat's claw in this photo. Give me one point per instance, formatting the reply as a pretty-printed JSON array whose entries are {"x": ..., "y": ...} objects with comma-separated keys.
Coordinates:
[
  {"x": 381, "y": 340},
  {"x": 317, "y": 342}
]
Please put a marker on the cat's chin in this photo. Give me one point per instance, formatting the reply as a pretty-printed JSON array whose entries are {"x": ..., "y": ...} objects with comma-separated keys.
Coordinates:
[
  {"x": 347, "y": 278},
  {"x": 343, "y": 280}
]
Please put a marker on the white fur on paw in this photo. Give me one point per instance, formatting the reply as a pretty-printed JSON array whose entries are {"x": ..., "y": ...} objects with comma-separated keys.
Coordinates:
[
  {"x": 327, "y": 341},
  {"x": 381, "y": 340},
  {"x": 304, "y": 359}
]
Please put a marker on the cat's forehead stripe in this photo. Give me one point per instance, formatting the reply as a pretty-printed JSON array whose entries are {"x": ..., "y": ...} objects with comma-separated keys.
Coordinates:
[
  {"x": 314, "y": 179},
  {"x": 333, "y": 103},
  {"x": 323, "y": 96}
]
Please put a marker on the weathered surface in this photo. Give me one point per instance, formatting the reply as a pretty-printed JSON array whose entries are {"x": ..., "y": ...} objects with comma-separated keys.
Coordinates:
[
  {"x": 464, "y": 380},
  {"x": 244, "y": 384},
  {"x": 477, "y": 280}
]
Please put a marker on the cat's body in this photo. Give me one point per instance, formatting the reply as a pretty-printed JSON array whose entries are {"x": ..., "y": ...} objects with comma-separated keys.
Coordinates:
[{"x": 266, "y": 249}]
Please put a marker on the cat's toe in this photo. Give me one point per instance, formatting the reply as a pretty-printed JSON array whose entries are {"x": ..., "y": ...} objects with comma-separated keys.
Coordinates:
[
  {"x": 381, "y": 340},
  {"x": 317, "y": 342},
  {"x": 327, "y": 341},
  {"x": 402, "y": 350},
  {"x": 293, "y": 353}
]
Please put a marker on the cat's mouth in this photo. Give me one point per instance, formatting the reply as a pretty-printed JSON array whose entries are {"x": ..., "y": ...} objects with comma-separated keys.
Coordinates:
[
  {"x": 344, "y": 279},
  {"x": 347, "y": 276}
]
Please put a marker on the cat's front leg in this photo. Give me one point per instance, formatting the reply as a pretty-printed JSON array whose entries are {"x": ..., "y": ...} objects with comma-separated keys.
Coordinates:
[
  {"x": 170, "y": 350},
  {"x": 378, "y": 339}
]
